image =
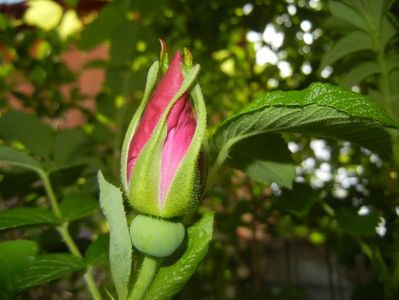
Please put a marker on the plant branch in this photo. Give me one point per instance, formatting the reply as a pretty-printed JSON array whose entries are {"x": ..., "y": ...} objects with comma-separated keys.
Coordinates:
[{"x": 64, "y": 232}]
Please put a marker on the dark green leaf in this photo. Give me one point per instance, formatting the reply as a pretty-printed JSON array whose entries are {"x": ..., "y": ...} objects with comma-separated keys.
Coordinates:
[
  {"x": 45, "y": 268},
  {"x": 78, "y": 205},
  {"x": 17, "y": 158},
  {"x": 358, "y": 73},
  {"x": 321, "y": 109},
  {"x": 349, "y": 221},
  {"x": 14, "y": 256},
  {"x": 299, "y": 200},
  {"x": 27, "y": 129},
  {"x": 265, "y": 159},
  {"x": 98, "y": 251},
  {"x": 107, "y": 20},
  {"x": 26, "y": 216},
  {"x": 120, "y": 246},
  {"x": 171, "y": 279},
  {"x": 69, "y": 145},
  {"x": 347, "y": 13},
  {"x": 352, "y": 42}
]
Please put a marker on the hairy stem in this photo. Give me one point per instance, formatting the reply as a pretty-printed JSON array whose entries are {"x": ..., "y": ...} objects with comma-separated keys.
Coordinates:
[
  {"x": 144, "y": 280},
  {"x": 64, "y": 232}
]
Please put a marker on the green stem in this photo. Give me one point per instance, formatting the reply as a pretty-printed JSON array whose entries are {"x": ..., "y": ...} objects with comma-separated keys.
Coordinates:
[
  {"x": 64, "y": 232},
  {"x": 147, "y": 272},
  {"x": 384, "y": 80}
]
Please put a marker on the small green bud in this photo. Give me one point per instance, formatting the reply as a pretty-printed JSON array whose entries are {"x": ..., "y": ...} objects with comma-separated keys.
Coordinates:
[{"x": 156, "y": 237}]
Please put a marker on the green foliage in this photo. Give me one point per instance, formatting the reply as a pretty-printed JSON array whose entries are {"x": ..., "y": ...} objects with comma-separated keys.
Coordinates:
[
  {"x": 321, "y": 110},
  {"x": 97, "y": 253},
  {"x": 45, "y": 268},
  {"x": 76, "y": 206},
  {"x": 26, "y": 216}
]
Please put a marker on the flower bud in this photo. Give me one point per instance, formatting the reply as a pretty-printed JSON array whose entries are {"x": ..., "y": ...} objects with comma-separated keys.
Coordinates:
[{"x": 163, "y": 142}]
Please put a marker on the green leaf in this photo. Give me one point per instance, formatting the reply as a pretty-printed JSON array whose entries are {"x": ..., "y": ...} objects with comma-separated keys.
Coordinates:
[
  {"x": 105, "y": 23},
  {"x": 359, "y": 73},
  {"x": 98, "y": 251},
  {"x": 78, "y": 205},
  {"x": 14, "y": 256},
  {"x": 120, "y": 246},
  {"x": 392, "y": 62},
  {"x": 171, "y": 279},
  {"x": 299, "y": 200},
  {"x": 69, "y": 145},
  {"x": 349, "y": 221},
  {"x": 321, "y": 110},
  {"x": 351, "y": 43},
  {"x": 348, "y": 14},
  {"x": 26, "y": 216},
  {"x": 45, "y": 268},
  {"x": 17, "y": 158},
  {"x": 264, "y": 159},
  {"x": 27, "y": 129}
]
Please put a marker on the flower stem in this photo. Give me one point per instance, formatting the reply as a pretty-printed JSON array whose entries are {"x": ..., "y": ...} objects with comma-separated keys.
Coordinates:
[
  {"x": 64, "y": 232},
  {"x": 147, "y": 272}
]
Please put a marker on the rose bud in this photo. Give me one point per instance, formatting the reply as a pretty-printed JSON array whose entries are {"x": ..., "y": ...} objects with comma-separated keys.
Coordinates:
[{"x": 160, "y": 153}]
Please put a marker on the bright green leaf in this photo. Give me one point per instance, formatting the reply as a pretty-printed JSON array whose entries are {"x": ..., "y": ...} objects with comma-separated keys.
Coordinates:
[
  {"x": 120, "y": 246},
  {"x": 171, "y": 279},
  {"x": 351, "y": 43},
  {"x": 98, "y": 251},
  {"x": 17, "y": 158},
  {"x": 78, "y": 205},
  {"x": 14, "y": 256},
  {"x": 321, "y": 110},
  {"x": 265, "y": 159},
  {"x": 45, "y": 268},
  {"x": 27, "y": 129},
  {"x": 26, "y": 216}
]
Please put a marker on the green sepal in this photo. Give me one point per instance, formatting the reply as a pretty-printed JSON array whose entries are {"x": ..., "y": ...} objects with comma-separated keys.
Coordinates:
[
  {"x": 151, "y": 81},
  {"x": 183, "y": 192}
]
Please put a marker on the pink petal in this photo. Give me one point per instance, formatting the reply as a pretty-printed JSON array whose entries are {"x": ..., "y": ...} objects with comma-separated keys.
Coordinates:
[{"x": 167, "y": 88}]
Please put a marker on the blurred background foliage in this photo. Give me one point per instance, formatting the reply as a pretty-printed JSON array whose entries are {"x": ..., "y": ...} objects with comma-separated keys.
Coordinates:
[{"x": 72, "y": 72}]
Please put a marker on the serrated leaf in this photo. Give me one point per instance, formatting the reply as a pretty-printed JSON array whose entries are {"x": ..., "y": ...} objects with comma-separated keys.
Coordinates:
[
  {"x": 27, "y": 129},
  {"x": 14, "y": 256},
  {"x": 98, "y": 251},
  {"x": 264, "y": 159},
  {"x": 26, "y": 216},
  {"x": 321, "y": 109},
  {"x": 17, "y": 158},
  {"x": 120, "y": 246},
  {"x": 78, "y": 205},
  {"x": 45, "y": 268},
  {"x": 349, "y": 221},
  {"x": 351, "y": 43},
  {"x": 171, "y": 279},
  {"x": 359, "y": 73},
  {"x": 299, "y": 200},
  {"x": 347, "y": 13}
]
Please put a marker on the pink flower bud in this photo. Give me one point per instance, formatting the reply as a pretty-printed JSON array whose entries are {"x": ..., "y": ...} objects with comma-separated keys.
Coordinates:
[
  {"x": 180, "y": 126},
  {"x": 160, "y": 171}
]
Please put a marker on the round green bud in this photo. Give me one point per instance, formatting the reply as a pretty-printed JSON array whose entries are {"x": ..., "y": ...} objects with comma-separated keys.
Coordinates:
[{"x": 156, "y": 237}]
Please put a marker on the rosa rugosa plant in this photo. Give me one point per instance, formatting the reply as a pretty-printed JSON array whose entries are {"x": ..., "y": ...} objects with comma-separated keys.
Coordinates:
[{"x": 160, "y": 173}]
